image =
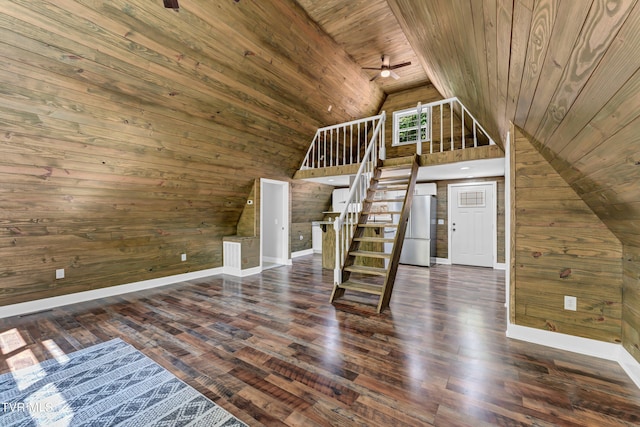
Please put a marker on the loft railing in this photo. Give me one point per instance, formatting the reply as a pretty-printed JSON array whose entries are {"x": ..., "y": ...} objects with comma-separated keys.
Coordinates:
[
  {"x": 448, "y": 126},
  {"x": 346, "y": 224},
  {"x": 341, "y": 144}
]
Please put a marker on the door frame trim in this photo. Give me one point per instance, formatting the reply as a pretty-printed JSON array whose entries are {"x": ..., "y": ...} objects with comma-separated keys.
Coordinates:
[
  {"x": 286, "y": 260},
  {"x": 494, "y": 217}
]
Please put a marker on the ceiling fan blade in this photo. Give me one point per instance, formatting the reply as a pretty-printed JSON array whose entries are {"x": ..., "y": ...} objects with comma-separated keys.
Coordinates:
[
  {"x": 385, "y": 60},
  {"x": 404, "y": 64},
  {"x": 370, "y": 68},
  {"x": 394, "y": 75},
  {"x": 374, "y": 77},
  {"x": 171, "y": 4}
]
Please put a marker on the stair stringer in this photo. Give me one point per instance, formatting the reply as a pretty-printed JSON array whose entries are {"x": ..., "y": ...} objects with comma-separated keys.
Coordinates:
[{"x": 390, "y": 279}]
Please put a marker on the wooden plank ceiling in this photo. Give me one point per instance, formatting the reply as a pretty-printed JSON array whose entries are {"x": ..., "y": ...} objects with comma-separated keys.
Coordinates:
[
  {"x": 121, "y": 111},
  {"x": 132, "y": 133},
  {"x": 368, "y": 29},
  {"x": 567, "y": 72}
]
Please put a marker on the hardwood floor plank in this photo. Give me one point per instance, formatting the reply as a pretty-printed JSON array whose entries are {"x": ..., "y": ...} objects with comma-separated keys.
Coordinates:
[{"x": 273, "y": 351}]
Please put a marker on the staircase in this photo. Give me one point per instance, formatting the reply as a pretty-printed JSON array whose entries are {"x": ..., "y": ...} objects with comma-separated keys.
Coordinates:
[{"x": 379, "y": 228}]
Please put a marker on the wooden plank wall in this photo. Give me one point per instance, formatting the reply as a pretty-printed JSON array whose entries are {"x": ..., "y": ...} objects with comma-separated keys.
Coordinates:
[
  {"x": 426, "y": 94},
  {"x": 308, "y": 202},
  {"x": 400, "y": 101},
  {"x": 631, "y": 301},
  {"x": 562, "y": 248},
  {"x": 132, "y": 133},
  {"x": 442, "y": 231}
]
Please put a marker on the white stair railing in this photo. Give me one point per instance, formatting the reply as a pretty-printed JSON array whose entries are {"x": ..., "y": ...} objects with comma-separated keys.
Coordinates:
[
  {"x": 341, "y": 144},
  {"x": 345, "y": 225},
  {"x": 449, "y": 126}
]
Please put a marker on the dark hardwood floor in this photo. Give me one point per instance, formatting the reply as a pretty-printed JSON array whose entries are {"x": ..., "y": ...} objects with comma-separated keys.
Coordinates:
[{"x": 272, "y": 351}]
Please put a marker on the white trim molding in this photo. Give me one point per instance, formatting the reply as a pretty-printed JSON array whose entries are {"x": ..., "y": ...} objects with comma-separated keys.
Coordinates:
[
  {"x": 630, "y": 365},
  {"x": 53, "y": 302},
  {"x": 586, "y": 346},
  {"x": 304, "y": 252},
  {"x": 443, "y": 261},
  {"x": 237, "y": 272}
]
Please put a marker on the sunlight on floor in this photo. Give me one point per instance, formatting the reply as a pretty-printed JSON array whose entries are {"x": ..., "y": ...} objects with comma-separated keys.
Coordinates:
[
  {"x": 46, "y": 406},
  {"x": 10, "y": 341},
  {"x": 55, "y": 351}
]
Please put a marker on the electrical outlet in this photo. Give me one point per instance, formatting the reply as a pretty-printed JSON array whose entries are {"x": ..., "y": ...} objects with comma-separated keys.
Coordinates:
[
  {"x": 60, "y": 273},
  {"x": 183, "y": 257},
  {"x": 301, "y": 237},
  {"x": 570, "y": 303}
]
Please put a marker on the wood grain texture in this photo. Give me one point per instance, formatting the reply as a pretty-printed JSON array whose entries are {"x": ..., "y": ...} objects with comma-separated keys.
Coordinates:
[
  {"x": 367, "y": 29},
  {"x": 562, "y": 248},
  {"x": 132, "y": 134},
  {"x": 308, "y": 202},
  {"x": 631, "y": 302},
  {"x": 272, "y": 350}
]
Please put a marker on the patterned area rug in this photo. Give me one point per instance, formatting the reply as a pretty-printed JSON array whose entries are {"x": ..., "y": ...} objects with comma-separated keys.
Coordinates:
[{"x": 109, "y": 384}]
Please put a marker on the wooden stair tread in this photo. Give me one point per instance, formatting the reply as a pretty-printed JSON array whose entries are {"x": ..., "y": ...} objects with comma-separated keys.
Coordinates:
[
  {"x": 388, "y": 179},
  {"x": 370, "y": 254},
  {"x": 399, "y": 187},
  {"x": 373, "y": 253},
  {"x": 374, "y": 239},
  {"x": 382, "y": 213},
  {"x": 385, "y": 200},
  {"x": 379, "y": 224},
  {"x": 367, "y": 270},
  {"x": 368, "y": 288},
  {"x": 401, "y": 166}
]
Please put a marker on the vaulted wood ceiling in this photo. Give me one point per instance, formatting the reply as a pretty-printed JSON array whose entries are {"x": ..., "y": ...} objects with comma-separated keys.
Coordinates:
[
  {"x": 116, "y": 112},
  {"x": 565, "y": 71}
]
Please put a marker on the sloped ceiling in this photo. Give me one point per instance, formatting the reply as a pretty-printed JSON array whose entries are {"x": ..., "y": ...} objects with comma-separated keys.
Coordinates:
[
  {"x": 368, "y": 29},
  {"x": 247, "y": 82},
  {"x": 565, "y": 71}
]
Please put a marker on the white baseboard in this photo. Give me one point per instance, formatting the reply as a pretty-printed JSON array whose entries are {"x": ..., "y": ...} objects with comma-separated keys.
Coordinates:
[
  {"x": 499, "y": 266},
  {"x": 443, "y": 261},
  {"x": 298, "y": 254},
  {"x": 283, "y": 261},
  {"x": 237, "y": 272},
  {"x": 630, "y": 365},
  {"x": 49, "y": 303},
  {"x": 586, "y": 346}
]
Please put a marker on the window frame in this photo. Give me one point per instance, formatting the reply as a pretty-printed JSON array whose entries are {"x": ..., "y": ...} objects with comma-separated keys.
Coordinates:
[{"x": 398, "y": 115}]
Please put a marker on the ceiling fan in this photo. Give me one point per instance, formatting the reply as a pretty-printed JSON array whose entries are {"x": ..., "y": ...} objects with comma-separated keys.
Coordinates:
[{"x": 386, "y": 69}]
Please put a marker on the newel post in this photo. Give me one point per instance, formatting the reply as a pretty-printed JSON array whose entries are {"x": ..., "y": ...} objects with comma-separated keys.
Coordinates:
[{"x": 419, "y": 133}]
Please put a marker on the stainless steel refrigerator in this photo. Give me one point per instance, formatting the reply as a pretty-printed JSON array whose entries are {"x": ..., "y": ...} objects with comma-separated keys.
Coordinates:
[{"x": 419, "y": 246}]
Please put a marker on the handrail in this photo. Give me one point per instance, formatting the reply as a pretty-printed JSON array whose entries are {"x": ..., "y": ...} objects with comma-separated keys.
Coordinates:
[
  {"x": 450, "y": 126},
  {"x": 343, "y": 144},
  {"x": 346, "y": 224},
  {"x": 454, "y": 105},
  {"x": 340, "y": 144}
]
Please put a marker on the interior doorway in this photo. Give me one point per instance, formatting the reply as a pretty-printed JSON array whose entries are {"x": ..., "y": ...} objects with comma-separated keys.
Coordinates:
[
  {"x": 473, "y": 224},
  {"x": 274, "y": 223}
]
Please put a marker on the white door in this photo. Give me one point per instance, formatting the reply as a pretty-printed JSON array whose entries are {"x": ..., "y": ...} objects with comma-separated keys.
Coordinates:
[
  {"x": 472, "y": 214},
  {"x": 274, "y": 222}
]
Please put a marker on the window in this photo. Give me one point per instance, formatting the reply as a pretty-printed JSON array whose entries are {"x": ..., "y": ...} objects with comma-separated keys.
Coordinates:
[
  {"x": 471, "y": 199},
  {"x": 405, "y": 126}
]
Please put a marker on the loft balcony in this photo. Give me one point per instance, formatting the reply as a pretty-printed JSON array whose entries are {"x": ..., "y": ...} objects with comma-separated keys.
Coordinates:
[{"x": 443, "y": 134}]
